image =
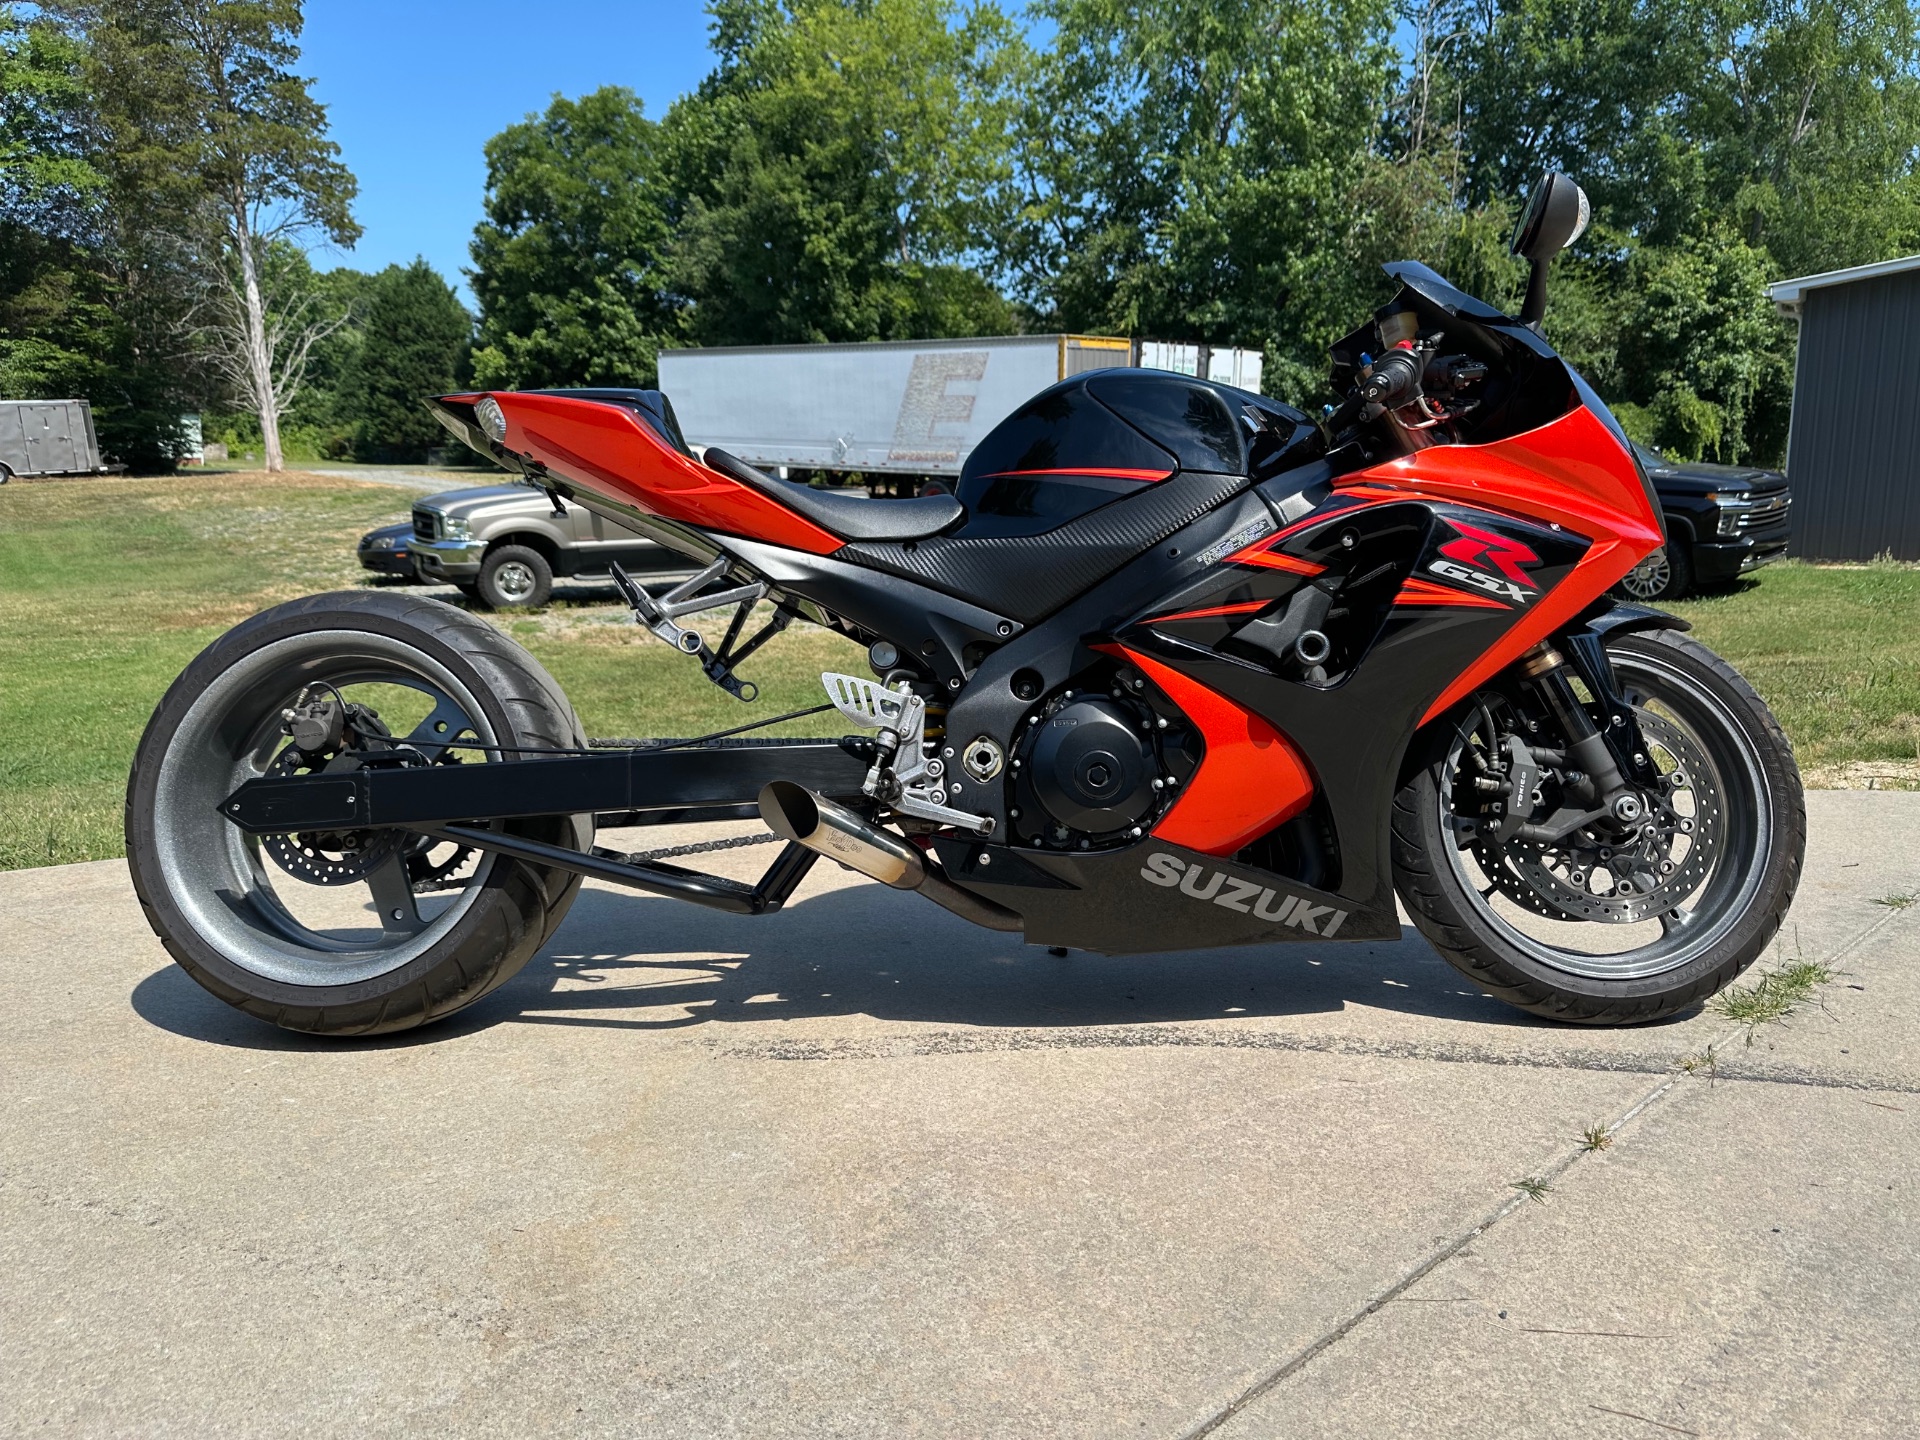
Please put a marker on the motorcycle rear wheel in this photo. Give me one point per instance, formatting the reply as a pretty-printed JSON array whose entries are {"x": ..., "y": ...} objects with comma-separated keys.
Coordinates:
[
  {"x": 1732, "y": 876},
  {"x": 367, "y": 932}
]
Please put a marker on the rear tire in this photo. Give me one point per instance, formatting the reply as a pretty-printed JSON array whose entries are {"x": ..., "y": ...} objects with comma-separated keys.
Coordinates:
[
  {"x": 220, "y": 902},
  {"x": 1754, "y": 783}
]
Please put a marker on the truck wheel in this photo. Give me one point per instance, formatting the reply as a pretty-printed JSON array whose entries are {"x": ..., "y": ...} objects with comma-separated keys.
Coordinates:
[
  {"x": 345, "y": 932},
  {"x": 515, "y": 577},
  {"x": 1666, "y": 574}
]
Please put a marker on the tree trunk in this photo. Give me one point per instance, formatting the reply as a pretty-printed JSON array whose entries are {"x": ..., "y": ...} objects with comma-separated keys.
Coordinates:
[{"x": 259, "y": 348}]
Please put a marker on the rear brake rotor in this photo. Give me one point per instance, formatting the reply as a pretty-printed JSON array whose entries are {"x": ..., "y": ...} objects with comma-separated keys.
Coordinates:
[
  {"x": 326, "y": 857},
  {"x": 1629, "y": 878}
]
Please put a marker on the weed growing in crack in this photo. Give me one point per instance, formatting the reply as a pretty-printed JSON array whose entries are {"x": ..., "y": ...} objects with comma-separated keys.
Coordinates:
[
  {"x": 1898, "y": 900},
  {"x": 1596, "y": 1137},
  {"x": 1771, "y": 998},
  {"x": 1534, "y": 1188},
  {"x": 1706, "y": 1063}
]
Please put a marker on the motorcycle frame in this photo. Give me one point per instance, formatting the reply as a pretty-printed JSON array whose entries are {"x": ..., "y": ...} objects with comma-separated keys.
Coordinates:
[{"x": 1566, "y": 495}]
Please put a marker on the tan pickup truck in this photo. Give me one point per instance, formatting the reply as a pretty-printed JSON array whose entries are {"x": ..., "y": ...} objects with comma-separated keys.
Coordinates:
[{"x": 504, "y": 545}]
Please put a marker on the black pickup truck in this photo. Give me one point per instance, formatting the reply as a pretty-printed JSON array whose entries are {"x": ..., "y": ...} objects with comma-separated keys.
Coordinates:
[{"x": 1722, "y": 521}]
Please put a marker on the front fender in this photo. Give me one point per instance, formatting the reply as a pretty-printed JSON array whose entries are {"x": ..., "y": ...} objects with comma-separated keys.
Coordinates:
[
  {"x": 1585, "y": 644},
  {"x": 1606, "y": 620}
]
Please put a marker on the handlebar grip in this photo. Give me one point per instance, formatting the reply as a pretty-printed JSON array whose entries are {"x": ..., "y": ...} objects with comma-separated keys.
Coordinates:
[{"x": 1394, "y": 381}]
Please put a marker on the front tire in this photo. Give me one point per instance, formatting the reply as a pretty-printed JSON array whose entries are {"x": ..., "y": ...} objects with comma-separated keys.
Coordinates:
[
  {"x": 281, "y": 926},
  {"x": 1534, "y": 928}
]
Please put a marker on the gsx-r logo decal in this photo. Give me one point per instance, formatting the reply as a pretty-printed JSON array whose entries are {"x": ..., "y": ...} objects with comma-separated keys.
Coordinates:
[
  {"x": 1242, "y": 896},
  {"x": 1473, "y": 556}
]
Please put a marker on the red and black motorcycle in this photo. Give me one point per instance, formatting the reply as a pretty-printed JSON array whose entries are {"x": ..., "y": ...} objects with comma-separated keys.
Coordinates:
[{"x": 1176, "y": 667}]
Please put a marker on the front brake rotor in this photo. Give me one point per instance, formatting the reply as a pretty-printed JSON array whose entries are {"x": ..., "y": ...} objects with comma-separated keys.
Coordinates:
[{"x": 1629, "y": 878}]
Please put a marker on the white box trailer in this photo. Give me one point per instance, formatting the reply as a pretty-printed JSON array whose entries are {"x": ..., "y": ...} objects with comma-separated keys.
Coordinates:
[
  {"x": 47, "y": 437},
  {"x": 897, "y": 407}
]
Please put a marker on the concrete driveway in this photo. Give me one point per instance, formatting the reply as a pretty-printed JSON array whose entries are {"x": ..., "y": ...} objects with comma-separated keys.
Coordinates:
[{"x": 859, "y": 1169}]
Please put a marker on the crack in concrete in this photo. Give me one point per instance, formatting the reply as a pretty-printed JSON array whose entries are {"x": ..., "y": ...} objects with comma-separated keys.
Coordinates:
[
  {"x": 1304, "y": 1356},
  {"x": 962, "y": 1042}
]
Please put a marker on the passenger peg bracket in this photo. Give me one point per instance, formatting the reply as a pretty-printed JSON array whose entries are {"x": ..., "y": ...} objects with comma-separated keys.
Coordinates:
[{"x": 660, "y": 616}]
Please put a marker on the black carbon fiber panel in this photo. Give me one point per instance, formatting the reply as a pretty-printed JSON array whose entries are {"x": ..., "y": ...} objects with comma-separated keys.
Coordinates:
[{"x": 1030, "y": 576}]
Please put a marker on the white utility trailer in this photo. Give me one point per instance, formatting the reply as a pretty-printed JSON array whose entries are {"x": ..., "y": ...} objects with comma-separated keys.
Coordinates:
[
  {"x": 47, "y": 437},
  {"x": 897, "y": 407}
]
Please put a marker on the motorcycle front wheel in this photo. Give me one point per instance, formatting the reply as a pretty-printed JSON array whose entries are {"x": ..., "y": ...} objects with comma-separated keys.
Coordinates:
[
  {"x": 358, "y": 932},
  {"x": 1600, "y": 927}
]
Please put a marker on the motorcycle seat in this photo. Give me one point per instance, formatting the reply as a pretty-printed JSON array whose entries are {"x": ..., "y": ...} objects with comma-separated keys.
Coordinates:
[{"x": 850, "y": 517}]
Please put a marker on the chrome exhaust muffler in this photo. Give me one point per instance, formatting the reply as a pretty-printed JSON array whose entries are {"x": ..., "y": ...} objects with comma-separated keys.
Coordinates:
[{"x": 795, "y": 813}]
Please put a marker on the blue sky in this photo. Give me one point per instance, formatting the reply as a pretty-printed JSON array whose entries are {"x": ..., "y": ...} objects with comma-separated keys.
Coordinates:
[{"x": 414, "y": 89}]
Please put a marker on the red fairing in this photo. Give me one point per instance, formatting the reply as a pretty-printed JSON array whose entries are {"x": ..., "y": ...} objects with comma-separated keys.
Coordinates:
[
  {"x": 1250, "y": 780},
  {"x": 1571, "y": 473},
  {"x": 609, "y": 449}
]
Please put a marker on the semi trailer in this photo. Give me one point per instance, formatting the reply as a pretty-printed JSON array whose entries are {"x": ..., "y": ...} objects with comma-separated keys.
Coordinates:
[{"x": 901, "y": 411}]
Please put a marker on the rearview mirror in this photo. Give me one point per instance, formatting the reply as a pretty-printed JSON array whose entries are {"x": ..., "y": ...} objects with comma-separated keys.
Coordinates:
[{"x": 1556, "y": 215}]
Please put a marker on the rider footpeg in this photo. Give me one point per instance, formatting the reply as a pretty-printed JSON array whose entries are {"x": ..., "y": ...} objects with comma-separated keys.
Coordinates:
[{"x": 903, "y": 774}]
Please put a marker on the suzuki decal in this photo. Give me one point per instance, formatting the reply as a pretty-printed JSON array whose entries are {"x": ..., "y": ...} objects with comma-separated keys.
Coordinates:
[
  {"x": 1244, "y": 896},
  {"x": 1471, "y": 557}
]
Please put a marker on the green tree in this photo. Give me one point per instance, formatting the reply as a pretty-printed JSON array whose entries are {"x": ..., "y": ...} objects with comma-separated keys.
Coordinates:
[
  {"x": 843, "y": 164},
  {"x": 568, "y": 261},
  {"x": 1185, "y": 167},
  {"x": 48, "y": 134},
  {"x": 414, "y": 342},
  {"x": 1711, "y": 355},
  {"x": 205, "y": 110},
  {"x": 89, "y": 296},
  {"x": 1725, "y": 144}
]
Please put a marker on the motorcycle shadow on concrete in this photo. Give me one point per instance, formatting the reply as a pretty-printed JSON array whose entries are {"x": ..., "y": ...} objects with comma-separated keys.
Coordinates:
[{"x": 633, "y": 962}]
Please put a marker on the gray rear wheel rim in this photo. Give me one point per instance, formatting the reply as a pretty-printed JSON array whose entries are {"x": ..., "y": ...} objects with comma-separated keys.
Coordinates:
[{"x": 215, "y": 874}]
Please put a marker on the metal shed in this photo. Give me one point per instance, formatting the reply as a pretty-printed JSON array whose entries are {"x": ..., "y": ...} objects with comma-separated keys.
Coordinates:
[{"x": 1853, "y": 451}]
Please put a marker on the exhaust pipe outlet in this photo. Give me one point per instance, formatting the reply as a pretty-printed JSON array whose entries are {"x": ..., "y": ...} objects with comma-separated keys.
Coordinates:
[{"x": 795, "y": 813}]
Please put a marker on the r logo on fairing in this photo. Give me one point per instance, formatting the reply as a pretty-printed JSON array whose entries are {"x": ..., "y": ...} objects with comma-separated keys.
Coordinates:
[
  {"x": 1243, "y": 896},
  {"x": 1475, "y": 553}
]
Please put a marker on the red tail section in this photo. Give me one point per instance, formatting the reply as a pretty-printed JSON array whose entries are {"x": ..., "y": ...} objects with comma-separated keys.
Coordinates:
[{"x": 610, "y": 449}]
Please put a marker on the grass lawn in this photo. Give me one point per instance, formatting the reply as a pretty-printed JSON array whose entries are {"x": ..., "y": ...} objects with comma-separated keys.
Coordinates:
[
  {"x": 1835, "y": 650},
  {"x": 108, "y": 587}
]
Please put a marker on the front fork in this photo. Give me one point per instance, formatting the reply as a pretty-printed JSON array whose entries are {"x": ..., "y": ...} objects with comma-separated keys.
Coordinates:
[{"x": 1614, "y": 758}]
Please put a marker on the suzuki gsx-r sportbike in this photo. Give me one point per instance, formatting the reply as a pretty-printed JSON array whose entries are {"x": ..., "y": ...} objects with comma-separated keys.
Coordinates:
[{"x": 1175, "y": 667}]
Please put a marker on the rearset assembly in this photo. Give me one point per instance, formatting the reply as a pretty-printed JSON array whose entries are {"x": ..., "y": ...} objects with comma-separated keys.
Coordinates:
[
  {"x": 903, "y": 774},
  {"x": 684, "y": 599}
]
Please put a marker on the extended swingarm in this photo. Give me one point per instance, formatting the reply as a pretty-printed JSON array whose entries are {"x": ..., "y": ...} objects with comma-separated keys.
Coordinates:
[{"x": 620, "y": 787}]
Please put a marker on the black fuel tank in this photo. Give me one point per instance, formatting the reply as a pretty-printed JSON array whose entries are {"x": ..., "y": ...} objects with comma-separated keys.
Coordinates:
[{"x": 1110, "y": 434}]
